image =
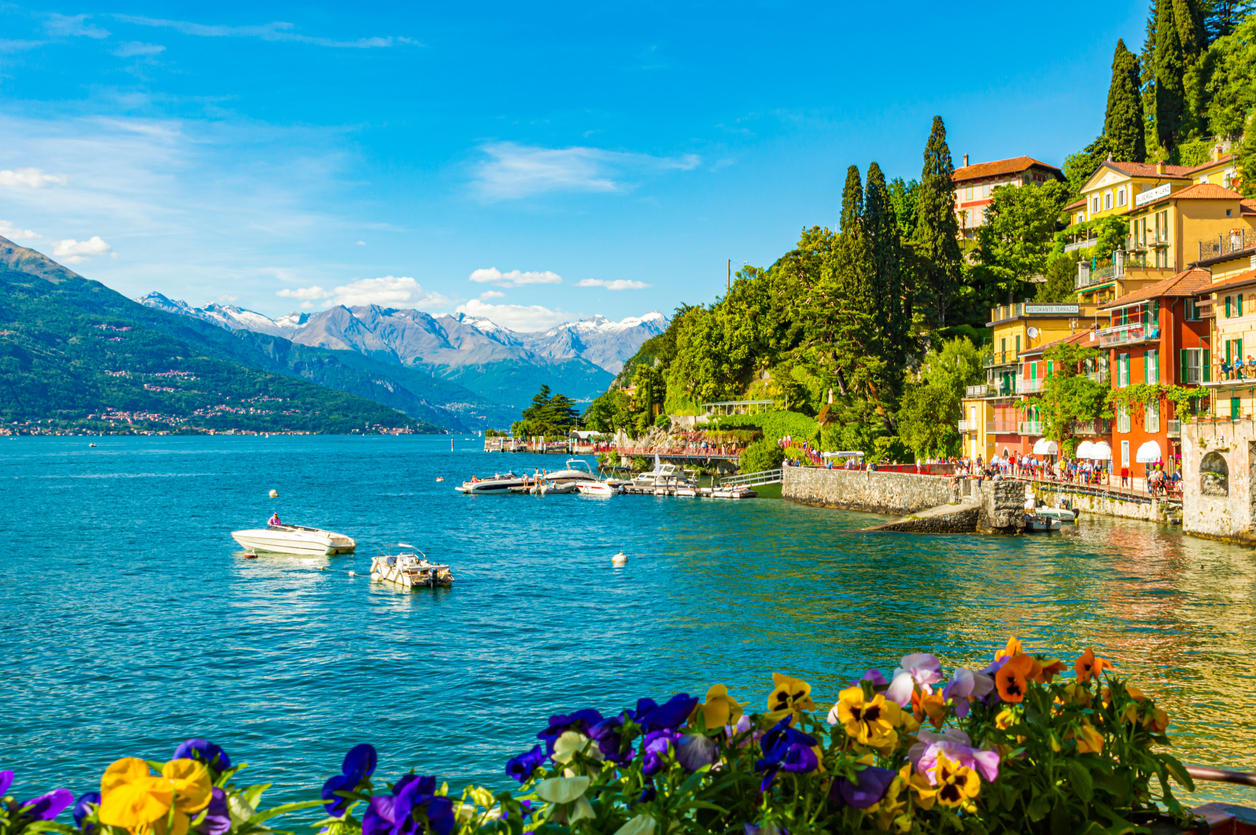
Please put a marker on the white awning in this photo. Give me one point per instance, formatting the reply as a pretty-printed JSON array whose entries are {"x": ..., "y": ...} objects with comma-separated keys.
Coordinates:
[
  {"x": 1045, "y": 446},
  {"x": 1148, "y": 453},
  {"x": 1101, "y": 452},
  {"x": 1086, "y": 449}
]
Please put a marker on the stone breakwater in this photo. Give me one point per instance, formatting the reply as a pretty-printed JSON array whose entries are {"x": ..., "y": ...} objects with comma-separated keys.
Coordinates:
[{"x": 899, "y": 494}]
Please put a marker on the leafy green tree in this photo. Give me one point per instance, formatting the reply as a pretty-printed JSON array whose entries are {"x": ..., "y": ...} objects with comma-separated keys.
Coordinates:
[
  {"x": 891, "y": 308},
  {"x": 954, "y": 365},
  {"x": 1019, "y": 233},
  {"x": 937, "y": 228},
  {"x": 927, "y": 419},
  {"x": 1247, "y": 163},
  {"x": 1231, "y": 87},
  {"x": 905, "y": 197},
  {"x": 1068, "y": 395},
  {"x": 549, "y": 415},
  {"x": 1079, "y": 167},
  {"x": 1123, "y": 125},
  {"x": 649, "y": 394},
  {"x": 1061, "y": 284},
  {"x": 1170, "y": 63},
  {"x": 1225, "y": 16},
  {"x": 763, "y": 454}
]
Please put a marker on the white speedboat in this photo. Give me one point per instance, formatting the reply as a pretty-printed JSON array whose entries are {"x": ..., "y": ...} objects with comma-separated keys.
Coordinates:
[
  {"x": 548, "y": 487},
  {"x": 577, "y": 471},
  {"x": 499, "y": 483},
  {"x": 1066, "y": 516},
  {"x": 409, "y": 568},
  {"x": 732, "y": 493},
  {"x": 294, "y": 539},
  {"x": 598, "y": 488},
  {"x": 1037, "y": 523}
]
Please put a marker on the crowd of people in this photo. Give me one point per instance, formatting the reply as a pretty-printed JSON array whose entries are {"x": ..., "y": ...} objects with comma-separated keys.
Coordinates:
[{"x": 1066, "y": 470}]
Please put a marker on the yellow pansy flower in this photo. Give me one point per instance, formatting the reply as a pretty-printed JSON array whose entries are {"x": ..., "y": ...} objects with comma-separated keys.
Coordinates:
[
  {"x": 1089, "y": 740},
  {"x": 191, "y": 782},
  {"x": 789, "y": 697},
  {"x": 867, "y": 721},
  {"x": 956, "y": 784},
  {"x": 131, "y": 797},
  {"x": 720, "y": 709}
]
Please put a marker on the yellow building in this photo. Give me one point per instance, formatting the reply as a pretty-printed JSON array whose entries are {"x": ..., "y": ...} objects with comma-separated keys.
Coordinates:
[
  {"x": 1171, "y": 227},
  {"x": 1232, "y": 309},
  {"x": 1116, "y": 187},
  {"x": 989, "y": 412}
]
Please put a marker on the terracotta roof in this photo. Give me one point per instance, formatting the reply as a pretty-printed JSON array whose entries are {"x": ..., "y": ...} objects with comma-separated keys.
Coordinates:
[
  {"x": 1247, "y": 207},
  {"x": 1148, "y": 169},
  {"x": 1186, "y": 283},
  {"x": 1240, "y": 280},
  {"x": 1001, "y": 166},
  {"x": 1205, "y": 191},
  {"x": 1078, "y": 338},
  {"x": 1076, "y": 204},
  {"x": 1224, "y": 158}
]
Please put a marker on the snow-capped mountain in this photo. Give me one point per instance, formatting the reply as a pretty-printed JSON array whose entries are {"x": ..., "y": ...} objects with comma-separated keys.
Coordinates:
[{"x": 412, "y": 337}]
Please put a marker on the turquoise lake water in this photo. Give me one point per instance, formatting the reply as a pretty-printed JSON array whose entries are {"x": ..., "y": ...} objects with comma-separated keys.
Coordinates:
[{"x": 128, "y": 622}]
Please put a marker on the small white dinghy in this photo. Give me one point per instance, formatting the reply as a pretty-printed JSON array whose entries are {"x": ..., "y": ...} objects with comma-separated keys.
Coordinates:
[
  {"x": 1064, "y": 514},
  {"x": 294, "y": 539},
  {"x": 410, "y": 569},
  {"x": 1036, "y": 523},
  {"x": 598, "y": 488},
  {"x": 548, "y": 487}
]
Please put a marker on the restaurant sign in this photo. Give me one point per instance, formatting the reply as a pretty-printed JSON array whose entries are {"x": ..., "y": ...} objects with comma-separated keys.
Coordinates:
[
  {"x": 1152, "y": 195},
  {"x": 1047, "y": 309}
]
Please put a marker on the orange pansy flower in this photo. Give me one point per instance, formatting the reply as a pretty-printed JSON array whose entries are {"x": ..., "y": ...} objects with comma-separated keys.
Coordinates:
[
  {"x": 1088, "y": 666},
  {"x": 1012, "y": 679}
]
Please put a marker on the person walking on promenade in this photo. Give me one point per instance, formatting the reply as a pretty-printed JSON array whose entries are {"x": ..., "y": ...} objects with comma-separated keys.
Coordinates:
[{"x": 1125, "y": 475}]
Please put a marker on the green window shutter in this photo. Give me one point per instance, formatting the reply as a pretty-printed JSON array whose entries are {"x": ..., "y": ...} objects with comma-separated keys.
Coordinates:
[
  {"x": 1050, "y": 364},
  {"x": 1207, "y": 366},
  {"x": 1146, "y": 367},
  {"x": 1234, "y": 408},
  {"x": 1182, "y": 366},
  {"x": 1227, "y": 307},
  {"x": 1238, "y": 350}
]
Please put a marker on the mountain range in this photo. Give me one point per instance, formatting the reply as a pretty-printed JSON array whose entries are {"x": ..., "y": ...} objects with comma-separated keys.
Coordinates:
[{"x": 412, "y": 337}]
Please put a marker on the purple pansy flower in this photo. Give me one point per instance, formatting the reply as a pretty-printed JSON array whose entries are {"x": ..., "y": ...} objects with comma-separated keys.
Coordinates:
[
  {"x": 668, "y": 716},
  {"x": 46, "y": 807},
  {"x": 608, "y": 734},
  {"x": 875, "y": 676},
  {"x": 580, "y": 721},
  {"x": 204, "y": 751},
  {"x": 785, "y": 749},
  {"x": 964, "y": 686},
  {"x": 523, "y": 766},
  {"x": 395, "y": 815},
  {"x": 6, "y": 780},
  {"x": 958, "y": 747},
  {"x": 217, "y": 815},
  {"x": 867, "y": 789},
  {"x": 766, "y": 829},
  {"x": 695, "y": 751},
  {"x": 82, "y": 808},
  {"x": 651, "y": 764},
  {"x": 919, "y": 668},
  {"x": 359, "y": 764}
]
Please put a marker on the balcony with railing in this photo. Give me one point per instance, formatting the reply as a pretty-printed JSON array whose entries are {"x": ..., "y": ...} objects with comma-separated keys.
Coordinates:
[
  {"x": 1003, "y": 388},
  {"x": 966, "y": 426},
  {"x": 1129, "y": 334},
  {"x": 1225, "y": 375},
  {"x": 1006, "y": 427},
  {"x": 1235, "y": 241},
  {"x": 999, "y": 359},
  {"x": 1085, "y": 243},
  {"x": 1024, "y": 386},
  {"x": 1029, "y": 427},
  {"x": 1092, "y": 427},
  {"x": 1100, "y": 376}
]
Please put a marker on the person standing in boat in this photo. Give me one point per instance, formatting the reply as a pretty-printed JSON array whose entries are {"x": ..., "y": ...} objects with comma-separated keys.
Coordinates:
[{"x": 273, "y": 521}]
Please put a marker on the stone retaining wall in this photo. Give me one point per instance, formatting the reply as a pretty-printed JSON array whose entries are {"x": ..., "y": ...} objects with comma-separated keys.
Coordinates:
[
  {"x": 899, "y": 494},
  {"x": 960, "y": 518},
  {"x": 1151, "y": 511}
]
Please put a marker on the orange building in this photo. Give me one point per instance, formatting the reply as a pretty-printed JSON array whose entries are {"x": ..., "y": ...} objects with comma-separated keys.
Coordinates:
[{"x": 975, "y": 185}]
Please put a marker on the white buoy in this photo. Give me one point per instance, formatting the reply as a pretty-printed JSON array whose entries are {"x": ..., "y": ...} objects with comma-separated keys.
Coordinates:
[
  {"x": 274, "y": 494},
  {"x": 619, "y": 559},
  {"x": 353, "y": 573}
]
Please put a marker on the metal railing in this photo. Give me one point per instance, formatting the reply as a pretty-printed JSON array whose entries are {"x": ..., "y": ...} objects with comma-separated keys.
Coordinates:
[
  {"x": 1100, "y": 376},
  {"x": 989, "y": 390},
  {"x": 1024, "y": 386},
  {"x": 1029, "y": 427},
  {"x": 1236, "y": 240},
  {"x": 966, "y": 426},
  {"x": 1004, "y": 426},
  {"x": 999, "y": 358},
  {"x": 1126, "y": 334},
  {"x": 752, "y": 479},
  {"x": 1083, "y": 244}
]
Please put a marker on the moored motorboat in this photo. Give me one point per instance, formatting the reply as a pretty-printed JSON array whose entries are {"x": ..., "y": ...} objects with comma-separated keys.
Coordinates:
[
  {"x": 598, "y": 488},
  {"x": 576, "y": 470},
  {"x": 1064, "y": 514},
  {"x": 548, "y": 487},
  {"x": 499, "y": 483},
  {"x": 410, "y": 568},
  {"x": 1037, "y": 523},
  {"x": 294, "y": 539}
]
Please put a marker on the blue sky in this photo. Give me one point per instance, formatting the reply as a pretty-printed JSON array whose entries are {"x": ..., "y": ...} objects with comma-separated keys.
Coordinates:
[{"x": 532, "y": 164}]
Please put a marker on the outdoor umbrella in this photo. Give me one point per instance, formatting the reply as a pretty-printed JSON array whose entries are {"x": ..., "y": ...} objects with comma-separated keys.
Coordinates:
[
  {"x": 1086, "y": 449},
  {"x": 1101, "y": 451},
  {"x": 1148, "y": 453},
  {"x": 1045, "y": 446}
]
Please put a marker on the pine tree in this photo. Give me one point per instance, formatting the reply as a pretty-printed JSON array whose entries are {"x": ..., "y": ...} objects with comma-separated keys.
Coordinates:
[
  {"x": 885, "y": 253},
  {"x": 1189, "y": 19},
  {"x": 937, "y": 228},
  {"x": 1224, "y": 17},
  {"x": 1170, "y": 68},
  {"x": 1123, "y": 122},
  {"x": 1147, "y": 75},
  {"x": 853, "y": 266}
]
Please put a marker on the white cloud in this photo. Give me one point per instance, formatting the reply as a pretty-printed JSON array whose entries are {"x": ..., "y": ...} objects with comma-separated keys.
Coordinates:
[
  {"x": 514, "y": 171},
  {"x": 73, "y": 26},
  {"x": 134, "y": 49},
  {"x": 617, "y": 284},
  {"x": 8, "y": 230},
  {"x": 389, "y": 291},
  {"x": 361, "y": 243},
  {"x": 517, "y": 317},
  {"x": 71, "y": 251},
  {"x": 514, "y": 278},
  {"x": 30, "y": 178},
  {"x": 492, "y": 294},
  {"x": 18, "y": 46},
  {"x": 305, "y": 293},
  {"x": 275, "y": 31},
  {"x": 226, "y": 299}
]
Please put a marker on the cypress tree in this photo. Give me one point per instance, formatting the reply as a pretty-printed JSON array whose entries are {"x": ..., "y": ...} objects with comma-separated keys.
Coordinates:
[
  {"x": 1189, "y": 19},
  {"x": 853, "y": 267},
  {"x": 885, "y": 256},
  {"x": 1123, "y": 122},
  {"x": 1170, "y": 68},
  {"x": 1147, "y": 74},
  {"x": 937, "y": 229}
]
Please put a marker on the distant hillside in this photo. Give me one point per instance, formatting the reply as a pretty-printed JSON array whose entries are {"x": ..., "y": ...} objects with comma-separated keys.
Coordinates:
[
  {"x": 71, "y": 348},
  {"x": 494, "y": 363}
]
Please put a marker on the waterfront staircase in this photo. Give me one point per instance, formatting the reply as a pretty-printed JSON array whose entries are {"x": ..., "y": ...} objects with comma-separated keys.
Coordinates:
[{"x": 753, "y": 479}]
